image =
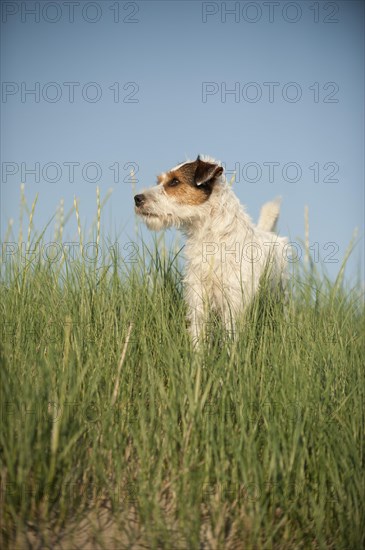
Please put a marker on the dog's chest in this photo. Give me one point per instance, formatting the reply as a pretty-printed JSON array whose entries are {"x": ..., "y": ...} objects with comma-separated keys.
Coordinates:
[{"x": 210, "y": 260}]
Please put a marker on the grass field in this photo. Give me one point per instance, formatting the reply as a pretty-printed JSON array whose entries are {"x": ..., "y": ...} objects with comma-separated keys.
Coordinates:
[{"x": 115, "y": 433}]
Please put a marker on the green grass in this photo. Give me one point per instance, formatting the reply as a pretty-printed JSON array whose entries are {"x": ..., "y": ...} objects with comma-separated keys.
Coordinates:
[{"x": 117, "y": 434}]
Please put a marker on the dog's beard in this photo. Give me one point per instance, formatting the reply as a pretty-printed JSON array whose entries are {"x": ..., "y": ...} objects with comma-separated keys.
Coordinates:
[{"x": 156, "y": 223}]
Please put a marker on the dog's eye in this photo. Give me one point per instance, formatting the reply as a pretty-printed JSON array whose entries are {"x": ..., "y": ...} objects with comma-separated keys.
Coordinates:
[{"x": 174, "y": 182}]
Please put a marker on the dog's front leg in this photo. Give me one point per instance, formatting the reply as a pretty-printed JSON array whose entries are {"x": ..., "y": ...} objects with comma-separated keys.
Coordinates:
[
  {"x": 197, "y": 313},
  {"x": 229, "y": 325},
  {"x": 197, "y": 324},
  {"x": 228, "y": 317}
]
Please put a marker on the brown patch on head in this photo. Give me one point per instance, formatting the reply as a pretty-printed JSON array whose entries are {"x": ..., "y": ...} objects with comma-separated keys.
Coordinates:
[{"x": 192, "y": 183}]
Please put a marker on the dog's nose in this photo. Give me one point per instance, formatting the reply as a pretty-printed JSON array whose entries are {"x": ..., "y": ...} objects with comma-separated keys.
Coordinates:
[{"x": 139, "y": 200}]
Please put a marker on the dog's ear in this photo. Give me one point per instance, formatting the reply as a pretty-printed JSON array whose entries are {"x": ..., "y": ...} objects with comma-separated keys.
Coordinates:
[{"x": 206, "y": 171}]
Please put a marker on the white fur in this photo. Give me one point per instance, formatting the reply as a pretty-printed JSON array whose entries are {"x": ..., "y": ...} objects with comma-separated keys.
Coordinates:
[
  {"x": 269, "y": 215},
  {"x": 226, "y": 253}
]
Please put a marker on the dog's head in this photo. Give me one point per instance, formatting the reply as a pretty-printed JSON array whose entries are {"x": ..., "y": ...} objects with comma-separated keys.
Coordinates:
[{"x": 178, "y": 197}]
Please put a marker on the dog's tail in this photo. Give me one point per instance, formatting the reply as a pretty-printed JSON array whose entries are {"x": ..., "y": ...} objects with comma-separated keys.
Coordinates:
[{"x": 269, "y": 215}]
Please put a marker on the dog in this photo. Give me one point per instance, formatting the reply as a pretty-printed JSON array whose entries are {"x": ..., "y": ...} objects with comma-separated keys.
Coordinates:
[{"x": 227, "y": 255}]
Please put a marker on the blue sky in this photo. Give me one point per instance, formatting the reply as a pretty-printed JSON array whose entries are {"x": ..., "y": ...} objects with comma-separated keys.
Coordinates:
[{"x": 149, "y": 82}]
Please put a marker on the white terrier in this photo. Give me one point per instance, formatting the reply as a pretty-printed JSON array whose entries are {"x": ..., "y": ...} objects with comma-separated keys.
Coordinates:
[{"x": 227, "y": 255}]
